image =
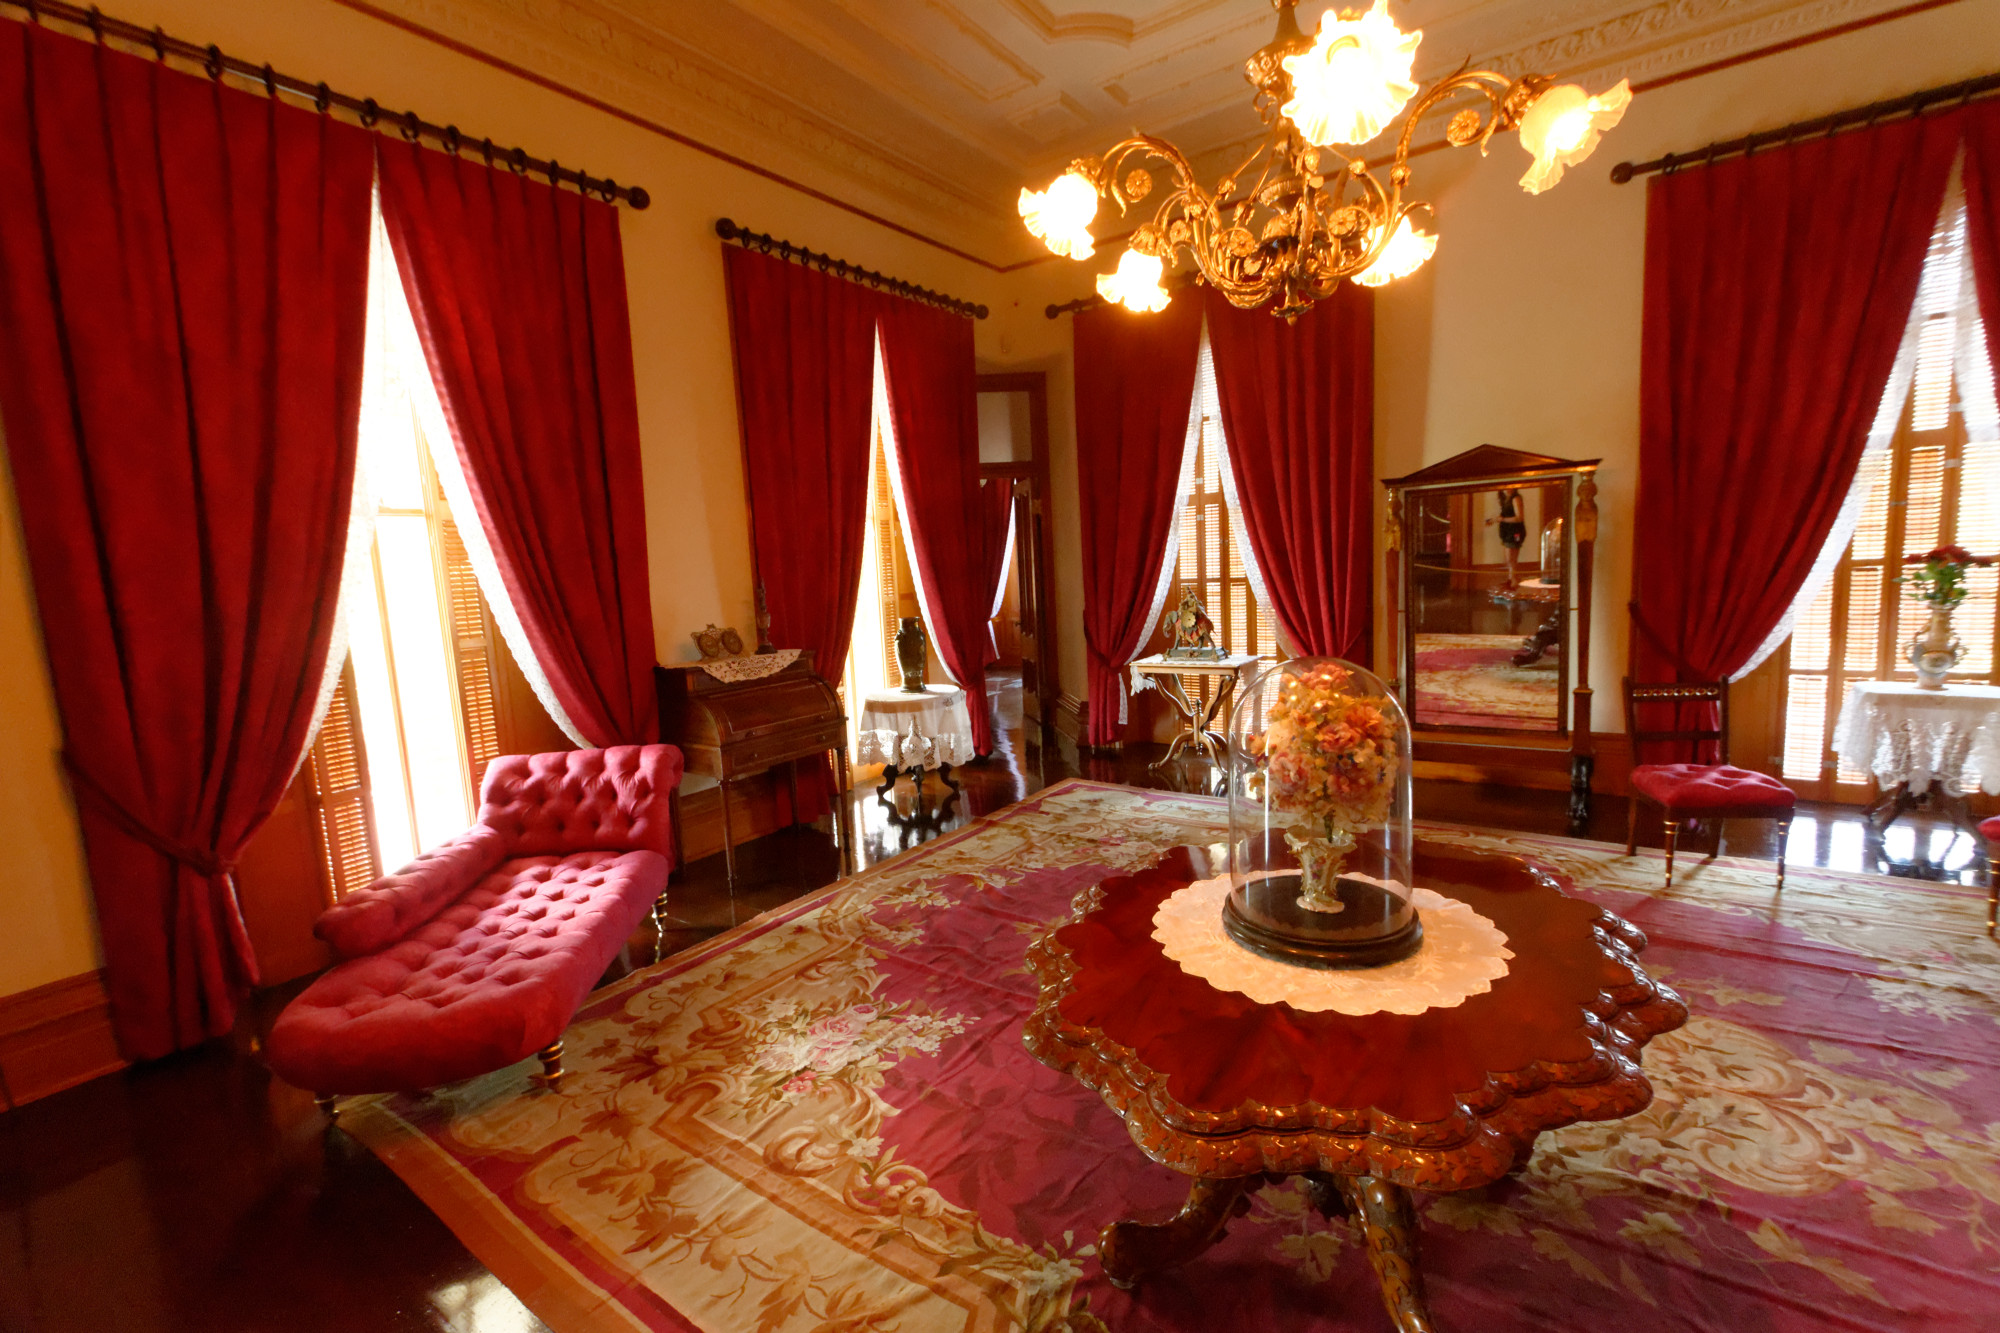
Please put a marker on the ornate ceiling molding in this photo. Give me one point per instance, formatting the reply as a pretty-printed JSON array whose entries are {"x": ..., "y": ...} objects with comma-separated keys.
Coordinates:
[{"x": 932, "y": 113}]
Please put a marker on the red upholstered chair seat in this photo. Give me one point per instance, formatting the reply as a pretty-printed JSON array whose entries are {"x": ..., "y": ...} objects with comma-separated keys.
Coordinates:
[
  {"x": 488, "y": 981},
  {"x": 477, "y": 953},
  {"x": 1989, "y": 829},
  {"x": 1713, "y": 791}
]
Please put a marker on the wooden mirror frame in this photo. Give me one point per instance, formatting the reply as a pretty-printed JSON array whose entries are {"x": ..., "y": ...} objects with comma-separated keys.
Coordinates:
[{"x": 1493, "y": 755}]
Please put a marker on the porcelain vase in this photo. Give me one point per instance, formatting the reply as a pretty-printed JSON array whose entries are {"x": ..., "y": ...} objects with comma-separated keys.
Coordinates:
[{"x": 1936, "y": 651}]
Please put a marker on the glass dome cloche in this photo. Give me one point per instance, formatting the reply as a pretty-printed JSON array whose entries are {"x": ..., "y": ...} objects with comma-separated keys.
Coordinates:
[{"x": 1319, "y": 818}]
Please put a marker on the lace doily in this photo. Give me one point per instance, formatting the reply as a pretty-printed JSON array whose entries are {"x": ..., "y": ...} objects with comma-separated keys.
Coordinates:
[
  {"x": 1462, "y": 955},
  {"x": 1900, "y": 733},
  {"x": 754, "y": 666}
]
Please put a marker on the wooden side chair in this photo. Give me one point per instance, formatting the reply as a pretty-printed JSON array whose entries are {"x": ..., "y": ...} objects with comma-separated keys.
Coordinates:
[
  {"x": 1715, "y": 791},
  {"x": 1989, "y": 833}
]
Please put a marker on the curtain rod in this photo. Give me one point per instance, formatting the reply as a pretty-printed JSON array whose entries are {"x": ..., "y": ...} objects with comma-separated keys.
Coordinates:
[
  {"x": 1174, "y": 283},
  {"x": 322, "y": 98},
  {"x": 1913, "y": 104},
  {"x": 765, "y": 243}
]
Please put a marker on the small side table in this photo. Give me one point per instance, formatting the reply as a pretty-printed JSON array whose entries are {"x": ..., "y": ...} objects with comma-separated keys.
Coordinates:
[
  {"x": 913, "y": 733},
  {"x": 1233, "y": 1093},
  {"x": 1198, "y": 723},
  {"x": 1922, "y": 747}
]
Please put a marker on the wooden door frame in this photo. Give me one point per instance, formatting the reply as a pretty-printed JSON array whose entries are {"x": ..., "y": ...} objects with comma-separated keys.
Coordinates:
[{"x": 1034, "y": 383}]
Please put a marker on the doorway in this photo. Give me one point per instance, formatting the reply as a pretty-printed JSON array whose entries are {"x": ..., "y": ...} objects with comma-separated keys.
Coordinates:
[{"x": 1013, "y": 451}]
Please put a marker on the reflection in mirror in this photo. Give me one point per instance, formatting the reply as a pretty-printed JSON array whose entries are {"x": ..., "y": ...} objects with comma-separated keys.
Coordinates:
[{"x": 1485, "y": 598}]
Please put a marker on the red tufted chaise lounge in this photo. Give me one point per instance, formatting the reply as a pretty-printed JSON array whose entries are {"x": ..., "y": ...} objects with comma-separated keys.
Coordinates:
[{"x": 476, "y": 954}]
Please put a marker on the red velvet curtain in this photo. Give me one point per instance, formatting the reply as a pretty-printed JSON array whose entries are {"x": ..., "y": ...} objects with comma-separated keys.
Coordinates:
[
  {"x": 183, "y": 289},
  {"x": 1777, "y": 289},
  {"x": 1982, "y": 210},
  {"x": 996, "y": 512},
  {"x": 1298, "y": 410},
  {"x": 805, "y": 375},
  {"x": 933, "y": 398},
  {"x": 518, "y": 290},
  {"x": 1134, "y": 388}
]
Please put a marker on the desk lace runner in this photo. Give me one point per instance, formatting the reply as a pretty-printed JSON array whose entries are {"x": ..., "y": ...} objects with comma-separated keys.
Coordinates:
[
  {"x": 754, "y": 666},
  {"x": 1462, "y": 955}
]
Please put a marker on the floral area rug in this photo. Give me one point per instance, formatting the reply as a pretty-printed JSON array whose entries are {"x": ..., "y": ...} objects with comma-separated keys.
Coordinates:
[
  {"x": 826, "y": 1120},
  {"x": 1470, "y": 680}
]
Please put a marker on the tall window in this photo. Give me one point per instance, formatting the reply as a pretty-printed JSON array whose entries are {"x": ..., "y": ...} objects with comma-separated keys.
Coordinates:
[
  {"x": 1930, "y": 482},
  {"x": 416, "y": 717},
  {"x": 1211, "y": 558}
]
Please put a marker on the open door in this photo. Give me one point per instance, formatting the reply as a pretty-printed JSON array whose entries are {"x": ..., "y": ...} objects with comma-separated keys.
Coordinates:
[{"x": 1014, "y": 445}]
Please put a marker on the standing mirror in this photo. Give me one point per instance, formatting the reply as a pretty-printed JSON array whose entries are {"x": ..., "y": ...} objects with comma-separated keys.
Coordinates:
[{"x": 1489, "y": 564}]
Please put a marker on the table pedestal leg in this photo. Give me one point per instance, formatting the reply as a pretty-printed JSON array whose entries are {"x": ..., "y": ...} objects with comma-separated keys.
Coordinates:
[
  {"x": 1131, "y": 1250},
  {"x": 1389, "y": 1228}
]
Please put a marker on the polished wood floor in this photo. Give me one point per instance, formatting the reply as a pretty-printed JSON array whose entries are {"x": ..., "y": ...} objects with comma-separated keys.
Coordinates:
[{"x": 199, "y": 1193}]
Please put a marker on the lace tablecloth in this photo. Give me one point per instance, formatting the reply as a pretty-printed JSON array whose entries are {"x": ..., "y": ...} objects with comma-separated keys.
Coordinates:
[
  {"x": 1903, "y": 734},
  {"x": 1461, "y": 956},
  {"x": 913, "y": 731}
]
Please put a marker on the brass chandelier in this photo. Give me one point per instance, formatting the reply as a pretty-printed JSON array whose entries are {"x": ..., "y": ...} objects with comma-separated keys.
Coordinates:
[{"x": 1302, "y": 212}]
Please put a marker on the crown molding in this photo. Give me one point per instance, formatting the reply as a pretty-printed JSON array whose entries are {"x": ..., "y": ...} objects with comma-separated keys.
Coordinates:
[{"x": 838, "y": 99}]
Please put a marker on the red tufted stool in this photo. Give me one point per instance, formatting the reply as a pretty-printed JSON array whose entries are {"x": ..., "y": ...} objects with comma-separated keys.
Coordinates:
[
  {"x": 476, "y": 954},
  {"x": 1989, "y": 832},
  {"x": 1699, "y": 791}
]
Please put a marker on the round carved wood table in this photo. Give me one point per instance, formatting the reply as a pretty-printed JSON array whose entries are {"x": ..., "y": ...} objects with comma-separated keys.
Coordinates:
[{"x": 1234, "y": 1093}]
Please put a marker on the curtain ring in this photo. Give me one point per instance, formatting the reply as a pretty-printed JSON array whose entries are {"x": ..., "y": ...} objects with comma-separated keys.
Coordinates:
[
  {"x": 160, "y": 45},
  {"x": 609, "y": 188},
  {"x": 517, "y": 161},
  {"x": 322, "y": 98},
  {"x": 451, "y": 139},
  {"x": 555, "y": 174},
  {"x": 96, "y": 21},
  {"x": 270, "y": 83},
  {"x": 370, "y": 113},
  {"x": 413, "y": 126},
  {"x": 214, "y": 62},
  {"x": 34, "y": 12},
  {"x": 486, "y": 147}
]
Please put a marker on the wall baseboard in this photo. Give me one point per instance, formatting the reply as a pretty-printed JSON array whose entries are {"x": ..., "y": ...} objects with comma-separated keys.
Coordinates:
[
  {"x": 1072, "y": 717},
  {"x": 55, "y": 1037}
]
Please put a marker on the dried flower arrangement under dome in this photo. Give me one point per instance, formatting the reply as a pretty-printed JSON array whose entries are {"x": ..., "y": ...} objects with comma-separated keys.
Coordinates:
[
  {"x": 1319, "y": 818},
  {"x": 1306, "y": 209}
]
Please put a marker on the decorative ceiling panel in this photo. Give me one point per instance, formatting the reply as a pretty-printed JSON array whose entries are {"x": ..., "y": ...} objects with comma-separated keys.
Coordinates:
[{"x": 933, "y": 113}]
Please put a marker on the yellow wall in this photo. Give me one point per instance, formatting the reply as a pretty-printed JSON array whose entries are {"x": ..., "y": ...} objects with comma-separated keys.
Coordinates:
[
  {"x": 696, "y": 523},
  {"x": 1523, "y": 331}
]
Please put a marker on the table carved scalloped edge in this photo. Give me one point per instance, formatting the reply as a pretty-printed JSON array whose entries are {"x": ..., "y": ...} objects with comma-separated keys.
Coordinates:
[{"x": 1355, "y": 1162}]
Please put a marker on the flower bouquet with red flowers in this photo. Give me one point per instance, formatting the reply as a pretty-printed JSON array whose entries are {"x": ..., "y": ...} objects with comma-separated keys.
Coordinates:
[{"x": 1939, "y": 575}]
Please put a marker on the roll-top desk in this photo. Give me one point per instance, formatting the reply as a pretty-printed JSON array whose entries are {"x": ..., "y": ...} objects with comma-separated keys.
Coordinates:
[{"x": 731, "y": 730}]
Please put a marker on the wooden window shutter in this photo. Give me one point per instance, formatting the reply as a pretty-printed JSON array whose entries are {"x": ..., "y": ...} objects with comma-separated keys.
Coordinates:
[
  {"x": 471, "y": 629},
  {"x": 342, "y": 816}
]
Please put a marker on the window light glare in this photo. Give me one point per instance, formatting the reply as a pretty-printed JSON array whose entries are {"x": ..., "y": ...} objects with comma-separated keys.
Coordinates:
[
  {"x": 1060, "y": 216},
  {"x": 1408, "y": 250},
  {"x": 1563, "y": 126},
  {"x": 1354, "y": 80},
  {"x": 1136, "y": 284}
]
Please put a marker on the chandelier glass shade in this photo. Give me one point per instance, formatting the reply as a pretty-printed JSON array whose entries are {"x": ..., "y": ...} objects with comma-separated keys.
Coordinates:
[{"x": 1303, "y": 213}]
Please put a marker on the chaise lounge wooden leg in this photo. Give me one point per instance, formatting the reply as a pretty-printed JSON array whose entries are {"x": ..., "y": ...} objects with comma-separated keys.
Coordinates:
[
  {"x": 1631, "y": 825},
  {"x": 1671, "y": 830},
  {"x": 552, "y": 1073},
  {"x": 1992, "y": 892}
]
